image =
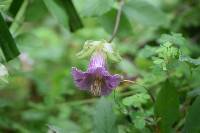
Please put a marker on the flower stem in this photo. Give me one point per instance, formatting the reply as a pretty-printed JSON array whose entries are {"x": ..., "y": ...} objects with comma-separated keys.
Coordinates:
[{"x": 117, "y": 21}]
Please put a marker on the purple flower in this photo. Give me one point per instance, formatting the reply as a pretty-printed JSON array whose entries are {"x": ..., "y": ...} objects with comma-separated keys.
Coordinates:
[{"x": 96, "y": 79}]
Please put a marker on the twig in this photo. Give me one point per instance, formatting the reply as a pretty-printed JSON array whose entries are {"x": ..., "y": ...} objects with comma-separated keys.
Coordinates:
[{"x": 117, "y": 21}]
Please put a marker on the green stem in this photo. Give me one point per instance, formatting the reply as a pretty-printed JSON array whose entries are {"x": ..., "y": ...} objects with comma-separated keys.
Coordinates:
[{"x": 117, "y": 21}]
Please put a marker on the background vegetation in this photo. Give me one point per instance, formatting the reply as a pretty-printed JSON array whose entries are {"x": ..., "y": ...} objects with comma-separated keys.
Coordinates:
[{"x": 159, "y": 41}]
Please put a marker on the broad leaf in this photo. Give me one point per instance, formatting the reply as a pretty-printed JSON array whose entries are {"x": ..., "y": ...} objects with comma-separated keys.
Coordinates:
[
  {"x": 104, "y": 117},
  {"x": 192, "y": 124},
  {"x": 108, "y": 22},
  {"x": 167, "y": 107},
  {"x": 145, "y": 13},
  {"x": 93, "y": 7}
]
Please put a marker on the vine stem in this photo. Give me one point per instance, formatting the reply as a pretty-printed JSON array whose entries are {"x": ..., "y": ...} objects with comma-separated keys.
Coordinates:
[{"x": 117, "y": 21}]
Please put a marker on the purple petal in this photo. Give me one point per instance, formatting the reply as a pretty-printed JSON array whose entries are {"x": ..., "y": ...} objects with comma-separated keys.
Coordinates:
[
  {"x": 111, "y": 82},
  {"x": 97, "y": 60},
  {"x": 83, "y": 80},
  {"x": 99, "y": 71}
]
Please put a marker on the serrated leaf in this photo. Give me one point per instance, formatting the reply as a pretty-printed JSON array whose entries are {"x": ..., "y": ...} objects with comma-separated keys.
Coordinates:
[
  {"x": 185, "y": 58},
  {"x": 145, "y": 13},
  {"x": 7, "y": 42},
  {"x": 174, "y": 38},
  {"x": 90, "y": 8},
  {"x": 167, "y": 107},
  {"x": 192, "y": 124},
  {"x": 179, "y": 40},
  {"x": 139, "y": 120},
  {"x": 158, "y": 61},
  {"x": 136, "y": 100},
  {"x": 104, "y": 117}
]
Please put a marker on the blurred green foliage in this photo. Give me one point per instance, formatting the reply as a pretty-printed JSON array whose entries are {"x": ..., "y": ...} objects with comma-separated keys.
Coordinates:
[{"x": 159, "y": 42}]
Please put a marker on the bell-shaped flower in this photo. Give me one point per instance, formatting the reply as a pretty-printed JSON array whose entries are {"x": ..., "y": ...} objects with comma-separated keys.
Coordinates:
[{"x": 97, "y": 78}]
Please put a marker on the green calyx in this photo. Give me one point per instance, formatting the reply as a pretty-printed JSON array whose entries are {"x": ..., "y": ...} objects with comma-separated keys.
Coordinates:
[{"x": 91, "y": 46}]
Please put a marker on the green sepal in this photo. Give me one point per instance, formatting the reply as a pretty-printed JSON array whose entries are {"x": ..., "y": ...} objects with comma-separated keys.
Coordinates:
[
  {"x": 88, "y": 49},
  {"x": 111, "y": 52},
  {"x": 91, "y": 46}
]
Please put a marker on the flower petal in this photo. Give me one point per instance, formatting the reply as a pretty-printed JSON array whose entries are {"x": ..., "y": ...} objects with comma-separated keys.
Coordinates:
[
  {"x": 82, "y": 80},
  {"x": 99, "y": 72},
  {"x": 111, "y": 82}
]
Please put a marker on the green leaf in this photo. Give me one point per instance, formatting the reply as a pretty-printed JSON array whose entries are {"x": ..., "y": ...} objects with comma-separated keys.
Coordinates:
[
  {"x": 3, "y": 73},
  {"x": 36, "y": 11},
  {"x": 147, "y": 51},
  {"x": 54, "y": 129},
  {"x": 57, "y": 11},
  {"x": 19, "y": 17},
  {"x": 128, "y": 67},
  {"x": 185, "y": 58},
  {"x": 192, "y": 124},
  {"x": 167, "y": 107},
  {"x": 136, "y": 100},
  {"x": 194, "y": 93},
  {"x": 179, "y": 40},
  {"x": 74, "y": 19},
  {"x": 174, "y": 38},
  {"x": 4, "y": 4},
  {"x": 145, "y": 13},
  {"x": 7, "y": 43},
  {"x": 90, "y": 8},
  {"x": 14, "y": 7},
  {"x": 108, "y": 20},
  {"x": 139, "y": 120},
  {"x": 65, "y": 12},
  {"x": 104, "y": 117}
]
